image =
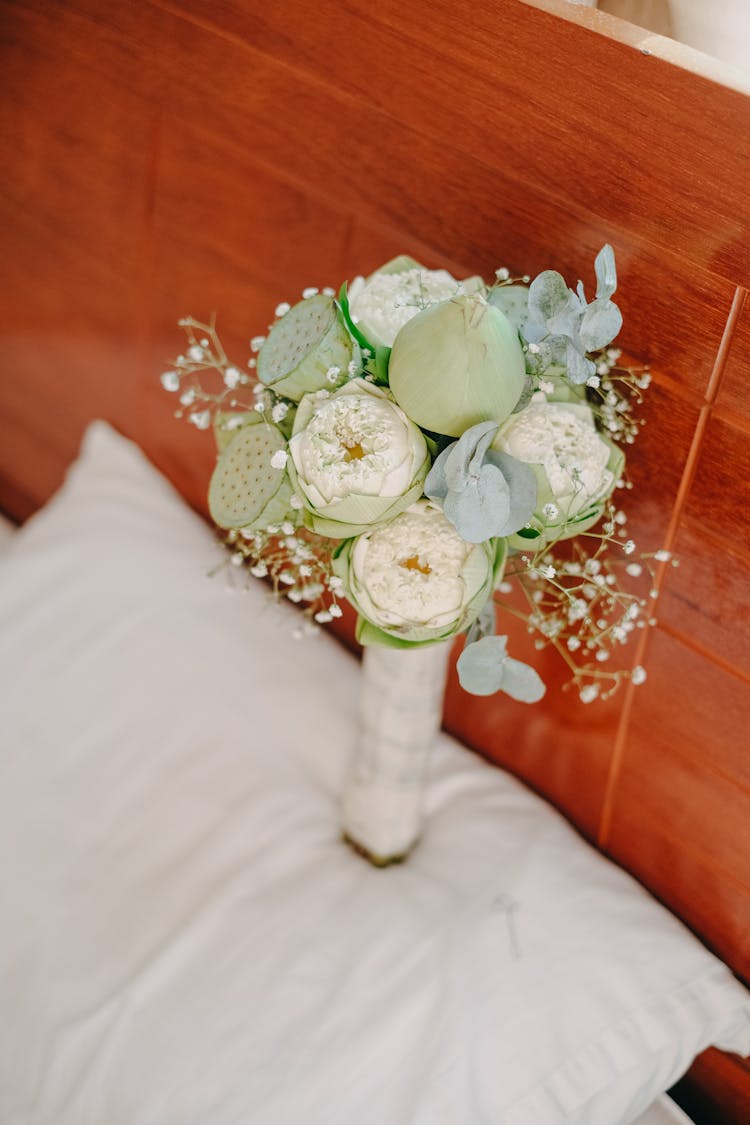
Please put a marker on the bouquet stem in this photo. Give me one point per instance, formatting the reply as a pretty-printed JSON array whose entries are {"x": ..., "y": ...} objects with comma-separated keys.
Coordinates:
[{"x": 400, "y": 714}]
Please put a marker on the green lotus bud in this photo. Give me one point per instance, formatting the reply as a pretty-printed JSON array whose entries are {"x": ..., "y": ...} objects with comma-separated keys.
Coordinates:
[
  {"x": 576, "y": 467},
  {"x": 457, "y": 364},
  {"x": 307, "y": 350}
]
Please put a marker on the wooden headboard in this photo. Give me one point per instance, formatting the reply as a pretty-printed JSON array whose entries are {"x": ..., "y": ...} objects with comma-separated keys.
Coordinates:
[{"x": 198, "y": 156}]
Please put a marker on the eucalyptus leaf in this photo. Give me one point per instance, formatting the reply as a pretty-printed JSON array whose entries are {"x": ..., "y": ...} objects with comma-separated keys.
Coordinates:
[
  {"x": 480, "y": 510},
  {"x": 484, "y": 667},
  {"x": 600, "y": 324},
  {"x": 480, "y": 665},
  {"x": 486, "y": 494},
  {"x": 579, "y": 368},
  {"x": 548, "y": 294},
  {"x": 606, "y": 273},
  {"x": 522, "y": 484},
  {"x": 513, "y": 300},
  {"x": 463, "y": 460},
  {"x": 521, "y": 681},
  {"x": 563, "y": 326}
]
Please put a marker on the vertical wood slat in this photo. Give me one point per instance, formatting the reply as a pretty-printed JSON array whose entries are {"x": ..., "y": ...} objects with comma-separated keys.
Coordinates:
[{"x": 675, "y": 519}]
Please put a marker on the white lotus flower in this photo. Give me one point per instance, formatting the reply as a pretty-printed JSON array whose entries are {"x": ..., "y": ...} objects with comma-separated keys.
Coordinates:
[
  {"x": 381, "y": 305},
  {"x": 415, "y": 579},
  {"x": 355, "y": 458},
  {"x": 577, "y": 468}
]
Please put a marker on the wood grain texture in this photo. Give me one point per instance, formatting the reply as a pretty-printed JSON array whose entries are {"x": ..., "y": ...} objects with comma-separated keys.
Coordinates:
[
  {"x": 495, "y": 62},
  {"x": 733, "y": 400},
  {"x": 181, "y": 156},
  {"x": 687, "y": 736}
]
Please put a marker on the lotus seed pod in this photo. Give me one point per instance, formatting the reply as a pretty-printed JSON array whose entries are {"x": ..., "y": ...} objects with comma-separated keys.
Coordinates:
[
  {"x": 228, "y": 422},
  {"x": 457, "y": 364},
  {"x": 307, "y": 350},
  {"x": 246, "y": 490}
]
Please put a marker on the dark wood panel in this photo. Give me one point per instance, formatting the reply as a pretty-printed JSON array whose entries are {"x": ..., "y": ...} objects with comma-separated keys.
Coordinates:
[
  {"x": 656, "y": 462},
  {"x": 733, "y": 398},
  {"x": 473, "y": 206},
  {"x": 75, "y": 195},
  {"x": 693, "y": 706},
  {"x": 623, "y": 104},
  {"x": 73, "y": 209},
  {"x": 687, "y": 736},
  {"x": 705, "y": 599},
  {"x": 720, "y": 496}
]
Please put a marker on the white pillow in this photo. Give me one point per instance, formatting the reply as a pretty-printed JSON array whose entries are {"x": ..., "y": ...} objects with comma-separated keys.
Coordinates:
[{"x": 186, "y": 940}]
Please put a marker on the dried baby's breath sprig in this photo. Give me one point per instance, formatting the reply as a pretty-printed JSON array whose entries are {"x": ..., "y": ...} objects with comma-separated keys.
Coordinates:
[
  {"x": 296, "y": 564},
  {"x": 580, "y": 601},
  {"x": 205, "y": 354},
  {"x": 614, "y": 393}
]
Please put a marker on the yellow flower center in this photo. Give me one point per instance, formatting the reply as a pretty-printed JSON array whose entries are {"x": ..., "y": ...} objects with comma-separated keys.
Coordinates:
[
  {"x": 415, "y": 563},
  {"x": 354, "y": 452}
]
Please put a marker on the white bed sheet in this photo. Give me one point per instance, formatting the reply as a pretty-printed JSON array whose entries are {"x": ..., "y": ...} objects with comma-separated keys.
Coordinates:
[{"x": 153, "y": 886}]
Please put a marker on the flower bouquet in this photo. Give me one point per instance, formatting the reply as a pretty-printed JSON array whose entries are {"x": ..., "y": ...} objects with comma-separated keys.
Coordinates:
[{"x": 418, "y": 445}]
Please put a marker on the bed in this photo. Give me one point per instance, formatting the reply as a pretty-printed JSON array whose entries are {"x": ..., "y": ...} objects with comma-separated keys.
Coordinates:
[{"x": 175, "y": 158}]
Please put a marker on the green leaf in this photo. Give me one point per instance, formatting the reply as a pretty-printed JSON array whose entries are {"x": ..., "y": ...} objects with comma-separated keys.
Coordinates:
[{"x": 368, "y": 634}]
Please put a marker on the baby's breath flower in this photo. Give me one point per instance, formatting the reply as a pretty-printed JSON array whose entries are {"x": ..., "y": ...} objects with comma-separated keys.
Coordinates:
[
  {"x": 279, "y": 459},
  {"x": 170, "y": 380}
]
